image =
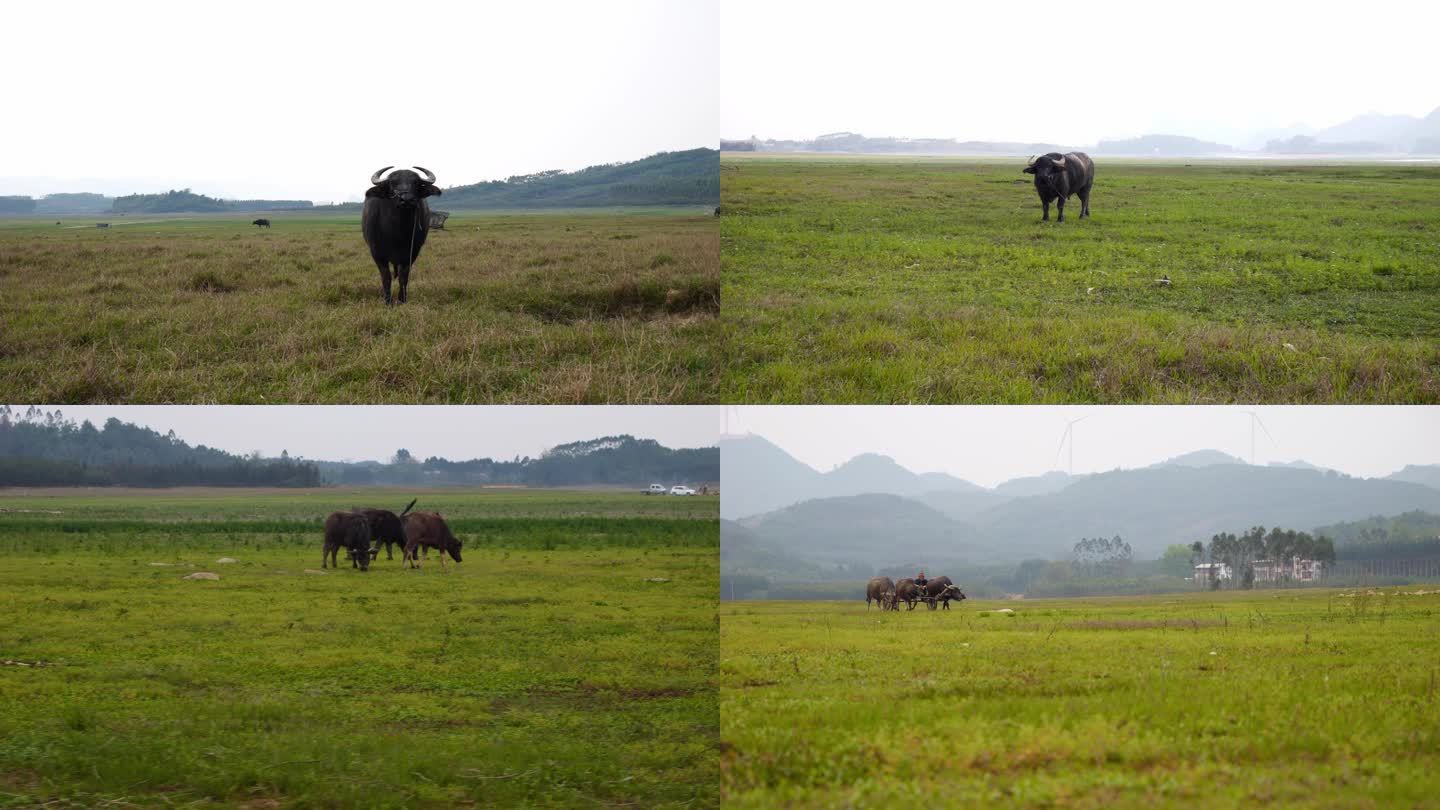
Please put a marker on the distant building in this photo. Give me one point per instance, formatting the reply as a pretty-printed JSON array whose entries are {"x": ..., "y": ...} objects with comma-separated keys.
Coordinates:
[
  {"x": 1297, "y": 570},
  {"x": 1206, "y": 573}
]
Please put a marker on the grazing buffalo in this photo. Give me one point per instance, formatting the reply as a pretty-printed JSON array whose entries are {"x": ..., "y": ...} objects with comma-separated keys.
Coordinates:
[
  {"x": 428, "y": 530},
  {"x": 908, "y": 592},
  {"x": 882, "y": 590},
  {"x": 395, "y": 221},
  {"x": 350, "y": 531},
  {"x": 386, "y": 527},
  {"x": 1058, "y": 176},
  {"x": 102, "y": 224},
  {"x": 261, "y": 223},
  {"x": 942, "y": 590}
]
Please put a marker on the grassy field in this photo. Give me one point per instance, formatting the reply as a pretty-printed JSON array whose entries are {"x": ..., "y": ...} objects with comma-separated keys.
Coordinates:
[
  {"x": 546, "y": 669},
  {"x": 934, "y": 280},
  {"x": 534, "y": 308},
  {"x": 1295, "y": 699}
]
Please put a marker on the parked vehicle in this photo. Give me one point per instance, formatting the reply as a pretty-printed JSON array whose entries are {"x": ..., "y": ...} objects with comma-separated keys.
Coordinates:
[
  {"x": 656, "y": 489},
  {"x": 679, "y": 490}
]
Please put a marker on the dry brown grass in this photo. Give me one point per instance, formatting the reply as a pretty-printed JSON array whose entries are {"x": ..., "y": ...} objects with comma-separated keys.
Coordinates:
[{"x": 514, "y": 309}]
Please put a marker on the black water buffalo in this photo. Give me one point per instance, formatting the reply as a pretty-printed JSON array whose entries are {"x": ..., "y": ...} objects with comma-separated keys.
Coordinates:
[
  {"x": 942, "y": 590},
  {"x": 350, "y": 531},
  {"x": 1058, "y": 176},
  {"x": 908, "y": 592},
  {"x": 102, "y": 224},
  {"x": 395, "y": 221},
  {"x": 261, "y": 223},
  {"x": 386, "y": 527},
  {"x": 428, "y": 530},
  {"x": 882, "y": 590}
]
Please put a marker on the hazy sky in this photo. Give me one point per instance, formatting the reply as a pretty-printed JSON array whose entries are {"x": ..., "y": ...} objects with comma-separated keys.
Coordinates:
[
  {"x": 990, "y": 445},
  {"x": 375, "y": 432},
  {"x": 1071, "y": 73},
  {"x": 306, "y": 99}
]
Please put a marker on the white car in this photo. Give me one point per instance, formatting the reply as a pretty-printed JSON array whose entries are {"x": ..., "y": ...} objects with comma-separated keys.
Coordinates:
[
  {"x": 656, "y": 489},
  {"x": 679, "y": 490}
]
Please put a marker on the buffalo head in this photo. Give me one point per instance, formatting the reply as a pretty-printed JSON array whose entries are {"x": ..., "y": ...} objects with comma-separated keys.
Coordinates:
[
  {"x": 404, "y": 186},
  {"x": 1048, "y": 169},
  {"x": 361, "y": 557},
  {"x": 454, "y": 550}
]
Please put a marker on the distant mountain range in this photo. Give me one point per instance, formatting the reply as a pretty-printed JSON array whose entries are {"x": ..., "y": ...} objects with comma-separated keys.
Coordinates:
[
  {"x": 1365, "y": 135},
  {"x": 690, "y": 177},
  {"x": 872, "y": 510}
]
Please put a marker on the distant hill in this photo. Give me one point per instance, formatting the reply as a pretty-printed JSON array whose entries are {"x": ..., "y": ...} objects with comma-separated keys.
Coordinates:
[
  {"x": 855, "y": 143},
  {"x": 1371, "y": 133},
  {"x": 187, "y": 202},
  {"x": 878, "y": 529},
  {"x": 669, "y": 178},
  {"x": 1200, "y": 458},
  {"x": 1159, "y": 506},
  {"x": 1171, "y": 145},
  {"x": 1043, "y": 484},
  {"x": 76, "y": 203},
  {"x": 963, "y": 506},
  {"x": 1426, "y": 474},
  {"x": 760, "y": 477}
]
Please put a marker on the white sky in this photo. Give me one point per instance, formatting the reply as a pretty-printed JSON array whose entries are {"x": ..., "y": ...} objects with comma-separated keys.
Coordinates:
[
  {"x": 375, "y": 432},
  {"x": 1069, "y": 73},
  {"x": 990, "y": 445},
  {"x": 306, "y": 99}
]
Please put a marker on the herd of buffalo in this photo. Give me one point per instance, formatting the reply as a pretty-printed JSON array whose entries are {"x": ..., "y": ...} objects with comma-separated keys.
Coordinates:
[
  {"x": 361, "y": 531},
  {"x": 888, "y": 594}
]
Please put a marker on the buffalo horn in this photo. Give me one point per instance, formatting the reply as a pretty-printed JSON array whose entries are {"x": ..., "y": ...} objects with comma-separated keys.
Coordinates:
[
  {"x": 375, "y": 178},
  {"x": 1060, "y": 162},
  {"x": 429, "y": 175}
]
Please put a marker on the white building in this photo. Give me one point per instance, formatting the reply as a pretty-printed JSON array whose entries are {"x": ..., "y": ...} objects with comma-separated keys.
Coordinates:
[{"x": 1206, "y": 573}]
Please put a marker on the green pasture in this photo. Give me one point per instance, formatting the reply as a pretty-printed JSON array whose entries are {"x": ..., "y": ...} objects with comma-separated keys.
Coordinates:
[
  {"x": 568, "y": 307},
  {"x": 568, "y": 661},
  {"x": 1308, "y": 698},
  {"x": 934, "y": 280}
]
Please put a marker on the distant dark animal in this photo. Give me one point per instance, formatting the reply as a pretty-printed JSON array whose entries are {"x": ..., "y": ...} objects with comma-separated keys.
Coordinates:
[
  {"x": 102, "y": 224},
  {"x": 350, "y": 531},
  {"x": 941, "y": 590},
  {"x": 882, "y": 591},
  {"x": 261, "y": 223},
  {"x": 428, "y": 530},
  {"x": 908, "y": 592},
  {"x": 57, "y": 222},
  {"x": 437, "y": 219},
  {"x": 717, "y": 210},
  {"x": 386, "y": 527},
  {"x": 395, "y": 221},
  {"x": 1058, "y": 176}
]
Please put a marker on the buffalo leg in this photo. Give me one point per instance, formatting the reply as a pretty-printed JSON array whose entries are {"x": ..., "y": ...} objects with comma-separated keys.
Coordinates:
[
  {"x": 1085, "y": 203},
  {"x": 385, "y": 280},
  {"x": 404, "y": 272},
  {"x": 1045, "y": 205},
  {"x": 1060, "y": 207}
]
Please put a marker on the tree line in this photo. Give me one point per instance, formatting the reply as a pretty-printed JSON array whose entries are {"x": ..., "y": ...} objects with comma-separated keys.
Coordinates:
[{"x": 39, "y": 448}]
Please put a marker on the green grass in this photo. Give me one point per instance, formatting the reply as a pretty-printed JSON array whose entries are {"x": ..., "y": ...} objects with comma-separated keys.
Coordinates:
[
  {"x": 544, "y": 670},
  {"x": 1296, "y": 699},
  {"x": 934, "y": 280},
  {"x": 537, "y": 308}
]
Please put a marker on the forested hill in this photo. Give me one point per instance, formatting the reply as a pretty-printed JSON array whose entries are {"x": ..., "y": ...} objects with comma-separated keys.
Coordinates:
[
  {"x": 609, "y": 461},
  {"x": 187, "y": 201},
  {"x": 45, "y": 449},
  {"x": 669, "y": 178}
]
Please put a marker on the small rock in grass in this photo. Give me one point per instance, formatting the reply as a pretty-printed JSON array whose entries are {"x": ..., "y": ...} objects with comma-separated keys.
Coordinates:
[
  {"x": 1290, "y": 346},
  {"x": 1006, "y": 611},
  {"x": 657, "y": 579},
  {"x": 314, "y": 571},
  {"x": 201, "y": 575},
  {"x": 162, "y": 563},
  {"x": 227, "y": 560}
]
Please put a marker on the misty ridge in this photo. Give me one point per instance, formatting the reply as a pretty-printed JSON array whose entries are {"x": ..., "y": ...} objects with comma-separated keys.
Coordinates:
[
  {"x": 690, "y": 177},
  {"x": 44, "y": 449},
  {"x": 1365, "y": 136},
  {"x": 871, "y": 513}
]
